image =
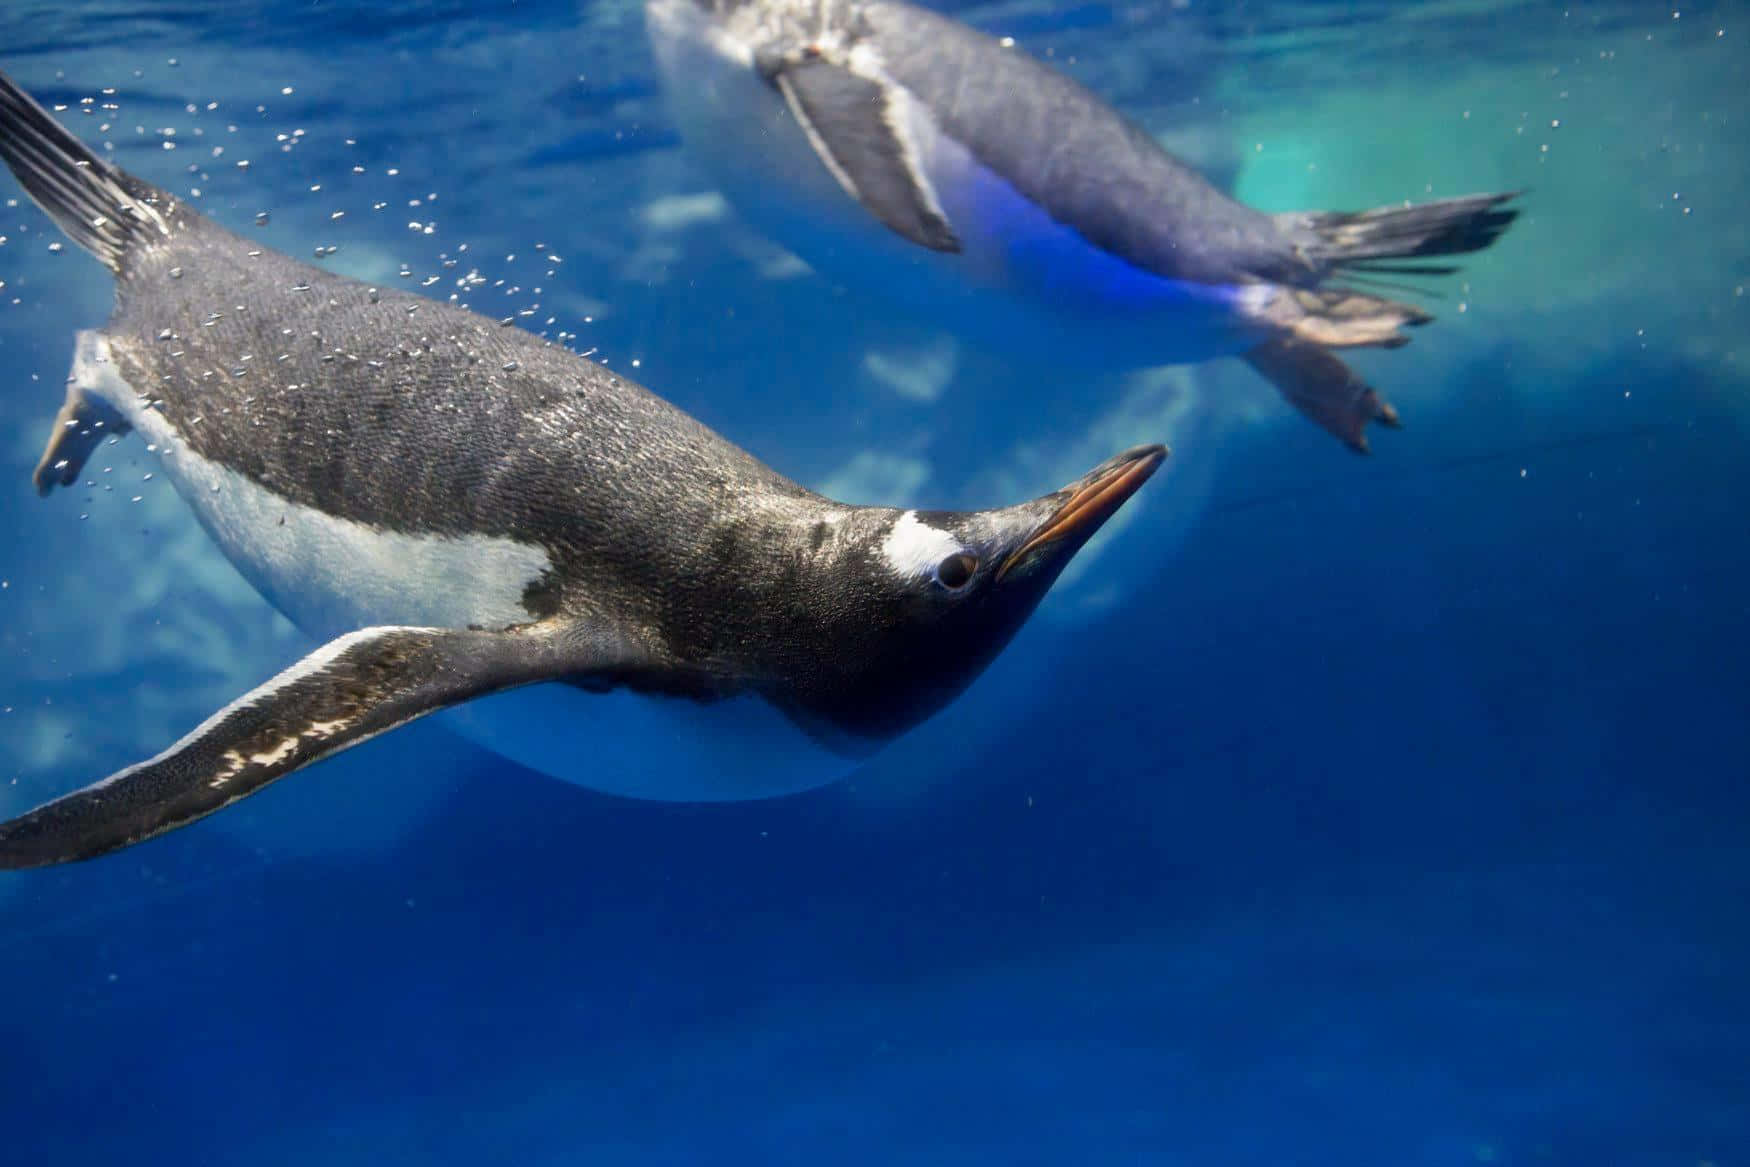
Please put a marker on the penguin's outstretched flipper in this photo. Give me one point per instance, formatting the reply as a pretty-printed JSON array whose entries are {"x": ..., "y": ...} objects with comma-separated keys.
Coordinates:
[
  {"x": 858, "y": 129},
  {"x": 348, "y": 691}
]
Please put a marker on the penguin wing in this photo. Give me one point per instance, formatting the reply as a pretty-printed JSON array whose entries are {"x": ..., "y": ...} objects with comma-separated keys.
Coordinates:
[
  {"x": 856, "y": 125},
  {"x": 348, "y": 691}
]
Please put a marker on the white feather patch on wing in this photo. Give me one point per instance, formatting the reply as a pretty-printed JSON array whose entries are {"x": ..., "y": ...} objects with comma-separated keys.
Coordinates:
[
  {"x": 903, "y": 115},
  {"x": 314, "y": 663},
  {"x": 821, "y": 148}
]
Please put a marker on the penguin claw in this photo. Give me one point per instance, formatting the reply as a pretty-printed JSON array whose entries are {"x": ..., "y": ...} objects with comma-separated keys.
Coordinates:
[{"x": 1324, "y": 389}]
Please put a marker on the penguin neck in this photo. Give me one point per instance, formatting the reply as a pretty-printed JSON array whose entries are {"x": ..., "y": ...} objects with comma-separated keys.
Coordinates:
[
  {"x": 764, "y": 586},
  {"x": 825, "y": 604}
]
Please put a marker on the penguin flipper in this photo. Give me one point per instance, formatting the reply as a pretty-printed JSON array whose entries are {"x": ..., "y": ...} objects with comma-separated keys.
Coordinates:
[
  {"x": 856, "y": 127},
  {"x": 1322, "y": 387},
  {"x": 346, "y": 692}
]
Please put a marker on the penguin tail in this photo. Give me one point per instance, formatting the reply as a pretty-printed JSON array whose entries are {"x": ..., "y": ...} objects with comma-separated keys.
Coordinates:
[
  {"x": 1360, "y": 248},
  {"x": 99, "y": 206},
  {"x": 1337, "y": 240}
]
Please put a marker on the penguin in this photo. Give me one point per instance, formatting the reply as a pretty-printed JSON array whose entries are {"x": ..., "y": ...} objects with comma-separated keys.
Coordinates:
[
  {"x": 892, "y": 147},
  {"x": 474, "y": 519}
]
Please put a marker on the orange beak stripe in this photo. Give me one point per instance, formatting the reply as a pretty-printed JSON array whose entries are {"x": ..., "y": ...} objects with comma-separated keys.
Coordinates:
[{"x": 1088, "y": 507}]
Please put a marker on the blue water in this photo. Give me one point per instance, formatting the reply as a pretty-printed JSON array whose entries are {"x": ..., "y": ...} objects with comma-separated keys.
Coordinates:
[{"x": 1339, "y": 811}]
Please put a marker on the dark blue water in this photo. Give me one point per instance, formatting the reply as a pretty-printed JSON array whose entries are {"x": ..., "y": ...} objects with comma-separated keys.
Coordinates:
[{"x": 1340, "y": 811}]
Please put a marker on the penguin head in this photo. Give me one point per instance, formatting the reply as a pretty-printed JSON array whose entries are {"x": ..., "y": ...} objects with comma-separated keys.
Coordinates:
[{"x": 938, "y": 595}]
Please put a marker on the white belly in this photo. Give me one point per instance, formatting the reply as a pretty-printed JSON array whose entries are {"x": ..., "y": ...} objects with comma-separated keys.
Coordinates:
[
  {"x": 1021, "y": 282},
  {"x": 668, "y": 749},
  {"x": 331, "y": 576},
  {"x": 328, "y": 575}
]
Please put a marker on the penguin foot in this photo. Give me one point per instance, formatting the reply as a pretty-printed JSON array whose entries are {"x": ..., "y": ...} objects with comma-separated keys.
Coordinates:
[
  {"x": 1342, "y": 317},
  {"x": 1323, "y": 388},
  {"x": 83, "y": 421}
]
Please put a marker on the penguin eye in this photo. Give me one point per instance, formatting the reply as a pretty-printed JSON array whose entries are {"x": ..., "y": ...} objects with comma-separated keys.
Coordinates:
[{"x": 955, "y": 572}]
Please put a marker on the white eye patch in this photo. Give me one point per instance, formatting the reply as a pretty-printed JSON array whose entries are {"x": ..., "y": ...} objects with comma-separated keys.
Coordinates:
[{"x": 914, "y": 548}]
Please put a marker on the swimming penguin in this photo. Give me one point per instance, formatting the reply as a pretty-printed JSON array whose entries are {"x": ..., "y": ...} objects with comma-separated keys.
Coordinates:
[
  {"x": 464, "y": 509},
  {"x": 892, "y": 147}
]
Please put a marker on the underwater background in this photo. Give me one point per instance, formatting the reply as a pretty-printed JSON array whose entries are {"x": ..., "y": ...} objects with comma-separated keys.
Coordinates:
[{"x": 1336, "y": 811}]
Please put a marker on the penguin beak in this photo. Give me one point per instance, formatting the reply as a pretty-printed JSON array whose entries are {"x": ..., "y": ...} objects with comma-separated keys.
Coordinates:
[{"x": 1091, "y": 501}]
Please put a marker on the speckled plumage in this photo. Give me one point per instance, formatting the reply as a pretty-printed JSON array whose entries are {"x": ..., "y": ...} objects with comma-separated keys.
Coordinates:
[{"x": 467, "y": 509}]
